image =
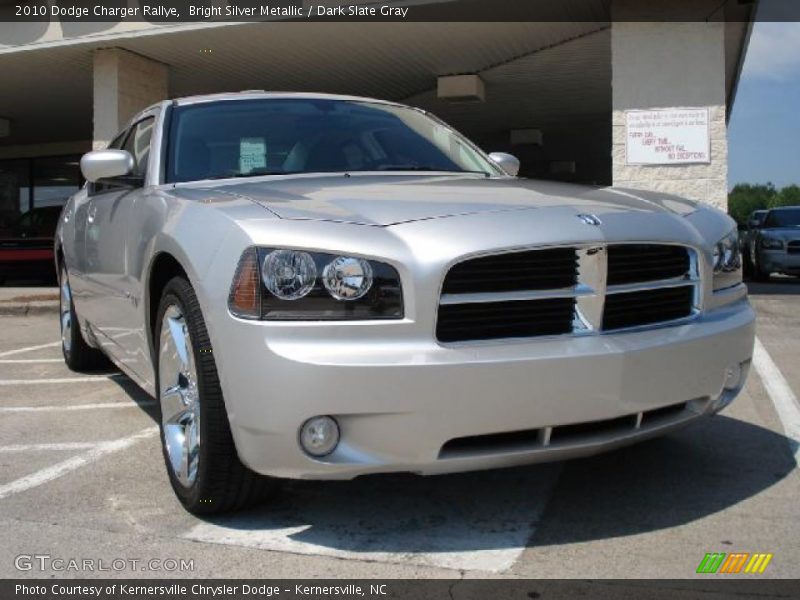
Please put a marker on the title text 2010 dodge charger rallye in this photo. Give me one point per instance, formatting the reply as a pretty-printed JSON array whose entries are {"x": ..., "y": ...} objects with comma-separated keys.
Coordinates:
[{"x": 322, "y": 286}]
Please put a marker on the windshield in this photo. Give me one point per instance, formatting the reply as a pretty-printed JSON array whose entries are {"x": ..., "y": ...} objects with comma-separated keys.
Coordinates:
[
  {"x": 787, "y": 217},
  {"x": 245, "y": 138}
]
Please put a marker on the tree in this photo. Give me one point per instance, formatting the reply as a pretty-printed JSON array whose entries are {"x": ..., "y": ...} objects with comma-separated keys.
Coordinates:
[
  {"x": 788, "y": 196},
  {"x": 744, "y": 198}
]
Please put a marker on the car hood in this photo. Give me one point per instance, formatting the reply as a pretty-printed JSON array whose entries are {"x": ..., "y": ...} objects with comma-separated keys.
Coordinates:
[
  {"x": 784, "y": 233},
  {"x": 390, "y": 199}
]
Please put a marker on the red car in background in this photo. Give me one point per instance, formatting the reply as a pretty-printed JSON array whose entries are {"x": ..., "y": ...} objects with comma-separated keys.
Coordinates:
[{"x": 26, "y": 247}]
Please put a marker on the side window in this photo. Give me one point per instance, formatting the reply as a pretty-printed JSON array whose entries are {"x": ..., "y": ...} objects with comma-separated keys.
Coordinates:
[
  {"x": 138, "y": 144},
  {"x": 116, "y": 143}
]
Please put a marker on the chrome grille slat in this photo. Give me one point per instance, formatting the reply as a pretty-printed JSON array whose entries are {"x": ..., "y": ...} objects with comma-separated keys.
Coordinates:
[
  {"x": 569, "y": 290},
  {"x": 480, "y": 298},
  {"x": 648, "y": 285}
]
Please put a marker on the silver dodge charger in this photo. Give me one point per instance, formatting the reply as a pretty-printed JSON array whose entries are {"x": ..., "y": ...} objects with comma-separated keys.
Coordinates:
[{"x": 318, "y": 286}]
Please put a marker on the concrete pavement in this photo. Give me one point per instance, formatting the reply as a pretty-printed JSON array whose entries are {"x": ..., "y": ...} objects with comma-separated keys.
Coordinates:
[{"x": 21, "y": 301}]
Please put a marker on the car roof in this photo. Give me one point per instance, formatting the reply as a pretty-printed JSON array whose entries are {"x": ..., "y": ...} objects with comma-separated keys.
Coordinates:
[{"x": 261, "y": 94}]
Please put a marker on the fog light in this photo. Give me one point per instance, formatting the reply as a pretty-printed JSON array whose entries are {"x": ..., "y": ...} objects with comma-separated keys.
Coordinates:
[
  {"x": 319, "y": 436},
  {"x": 733, "y": 377}
]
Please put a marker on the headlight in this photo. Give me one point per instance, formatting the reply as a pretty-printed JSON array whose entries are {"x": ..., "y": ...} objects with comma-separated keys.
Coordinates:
[
  {"x": 727, "y": 262},
  {"x": 289, "y": 275},
  {"x": 347, "y": 278},
  {"x": 771, "y": 243},
  {"x": 282, "y": 284}
]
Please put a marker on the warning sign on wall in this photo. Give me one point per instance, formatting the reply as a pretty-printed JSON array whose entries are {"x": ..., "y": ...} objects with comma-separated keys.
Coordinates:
[{"x": 667, "y": 136}]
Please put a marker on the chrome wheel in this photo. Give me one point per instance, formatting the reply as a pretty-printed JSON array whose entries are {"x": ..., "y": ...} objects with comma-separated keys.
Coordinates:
[
  {"x": 179, "y": 396},
  {"x": 66, "y": 312}
]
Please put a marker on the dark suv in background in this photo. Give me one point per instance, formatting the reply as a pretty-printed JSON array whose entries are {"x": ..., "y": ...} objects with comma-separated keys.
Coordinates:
[{"x": 772, "y": 243}]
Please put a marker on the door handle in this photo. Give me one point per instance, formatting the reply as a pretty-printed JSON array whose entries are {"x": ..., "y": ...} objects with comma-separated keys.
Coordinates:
[{"x": 91, "y": 213}]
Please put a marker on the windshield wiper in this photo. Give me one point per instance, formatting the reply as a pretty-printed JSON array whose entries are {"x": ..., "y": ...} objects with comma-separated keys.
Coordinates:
[
  {"x": 253, "y": 174},
  {"x": 386, "y": 168},
  {"x": 425, "y": 168}
]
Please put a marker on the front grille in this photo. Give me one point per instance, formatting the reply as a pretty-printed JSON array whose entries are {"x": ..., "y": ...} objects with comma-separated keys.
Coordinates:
[
  {"x": 648, "y": 306},
  {"x": 571, "y": 435},
  {"x": 493, "y": 320},
  {"x": 793, "y": 247},
  {"x": 515, "y": 271},
  {"x": 567, "y": 290},
  {"x": 636, "y": 263}
]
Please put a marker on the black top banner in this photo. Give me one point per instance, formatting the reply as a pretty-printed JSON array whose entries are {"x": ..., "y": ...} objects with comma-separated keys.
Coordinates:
[{"x": 207, "y": 11}]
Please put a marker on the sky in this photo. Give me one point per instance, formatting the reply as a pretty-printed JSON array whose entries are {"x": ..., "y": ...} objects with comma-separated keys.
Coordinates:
[{"x": 764, "y": 127}]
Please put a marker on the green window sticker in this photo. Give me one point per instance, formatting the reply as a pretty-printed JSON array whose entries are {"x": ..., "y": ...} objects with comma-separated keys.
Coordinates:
[{"x": 252, "y": 154}]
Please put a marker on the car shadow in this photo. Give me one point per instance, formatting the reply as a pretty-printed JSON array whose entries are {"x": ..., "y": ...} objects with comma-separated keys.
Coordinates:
[
  {"x": 651, "y": 486},
  {"x": 776, "y": 286},
  {"x": 667, "y": 482},
  {"x": 143, "y": 400}
]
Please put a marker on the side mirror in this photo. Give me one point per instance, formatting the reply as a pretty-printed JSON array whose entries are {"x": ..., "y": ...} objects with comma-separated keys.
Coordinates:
[
  {"x": 106, "y": 164},
  {"x": 508, "y": 162}
]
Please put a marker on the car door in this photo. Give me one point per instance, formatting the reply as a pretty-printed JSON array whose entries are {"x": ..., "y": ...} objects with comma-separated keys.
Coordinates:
[
  {"x": 112, "y": 310},
  {"x": 81, "y": 280}
]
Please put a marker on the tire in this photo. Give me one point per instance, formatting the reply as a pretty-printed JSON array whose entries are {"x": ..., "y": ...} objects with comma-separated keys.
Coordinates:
[
  {"x": 747, "y": 264},
  {"x": 78, "y": 355},
  {"x": 758, "y": 273},
  {"x": 201, "y": 460}
]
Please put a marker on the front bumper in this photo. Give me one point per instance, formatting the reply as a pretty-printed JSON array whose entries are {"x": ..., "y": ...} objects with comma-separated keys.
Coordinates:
[
  {"x": 416, "y": 406},
  {"x": 779, "y": 261}
]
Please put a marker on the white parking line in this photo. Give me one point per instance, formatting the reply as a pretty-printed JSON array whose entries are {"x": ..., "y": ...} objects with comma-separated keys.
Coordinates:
[
  {"x": 88, "y": 378},
  {"x": 781, "y": 394},
  {"x": 28, "y": 349},
  {"x": 66, "y": 446},
  {"x": 17, "y": 361},
  {"x": 57, "y": 408},
  {"x": 76, "y": 462}
]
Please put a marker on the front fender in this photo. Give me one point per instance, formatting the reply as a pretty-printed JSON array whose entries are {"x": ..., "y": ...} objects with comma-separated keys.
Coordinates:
[{"x": 193, "y": 234}]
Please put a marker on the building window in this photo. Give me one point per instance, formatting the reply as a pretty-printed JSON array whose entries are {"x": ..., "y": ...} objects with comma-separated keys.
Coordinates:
[
  {"x": 15, "y": 190},
  {"x": 54, "y": 179}
]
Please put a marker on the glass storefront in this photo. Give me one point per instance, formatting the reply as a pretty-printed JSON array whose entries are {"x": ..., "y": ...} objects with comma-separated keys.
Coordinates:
[
  {"x": 15, "y": 190},
  {"x": 31, "y": 183}
]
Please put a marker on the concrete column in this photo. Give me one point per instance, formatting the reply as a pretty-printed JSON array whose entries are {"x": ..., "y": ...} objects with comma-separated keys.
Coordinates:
[
  {"x": 670, "y": 65},
  {"x": 124, "y": 84}
]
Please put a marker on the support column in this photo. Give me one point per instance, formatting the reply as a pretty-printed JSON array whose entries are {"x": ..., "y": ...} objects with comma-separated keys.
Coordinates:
[
  {"x": 669, "y": 65},
  {"x": 124, "y": 84}
]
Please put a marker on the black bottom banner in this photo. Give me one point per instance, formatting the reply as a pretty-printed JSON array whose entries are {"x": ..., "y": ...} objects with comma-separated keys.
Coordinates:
[{"x": 374, "y": 589}]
